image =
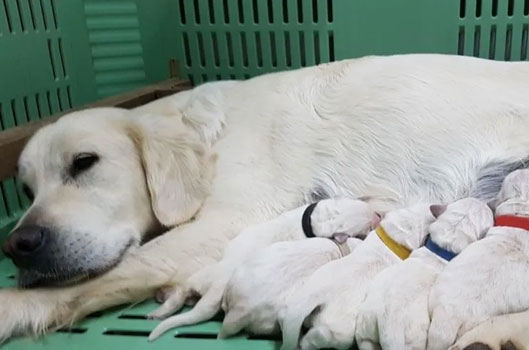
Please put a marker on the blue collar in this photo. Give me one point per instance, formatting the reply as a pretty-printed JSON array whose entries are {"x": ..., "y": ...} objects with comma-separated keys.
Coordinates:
[{"x": 434, "y": 248}]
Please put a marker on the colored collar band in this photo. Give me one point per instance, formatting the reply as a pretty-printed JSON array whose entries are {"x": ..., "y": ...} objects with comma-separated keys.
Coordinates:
[
  {"x": 306, "y": 223},
  {"x": 442, "y": 253},
  {"x": 512, "y": 221},
  {"x": 399, "y": 250}
]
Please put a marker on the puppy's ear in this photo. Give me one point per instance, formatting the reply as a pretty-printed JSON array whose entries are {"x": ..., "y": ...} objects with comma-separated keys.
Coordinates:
[
  {"x": 437, "y": 210},
  {"x": 177, "y": 164}
]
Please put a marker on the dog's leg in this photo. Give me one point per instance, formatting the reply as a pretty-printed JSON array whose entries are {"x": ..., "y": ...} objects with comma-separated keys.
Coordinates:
[
  {"x": 322, "y": 337},
  {"x": 443, "y": 330},
  {"x": 497, "y": 333},
  {"x": 233, "y": 323}
]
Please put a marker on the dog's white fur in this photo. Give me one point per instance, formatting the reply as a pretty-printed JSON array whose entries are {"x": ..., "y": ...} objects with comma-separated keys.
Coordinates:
[
  {"x": 328, "y": 302},
  {"x": 489, "y": 278},
  {"x": 394, "y": 315},
  {"x": 497, "y": 332},
  {"x": 399, "y": 129},
  {"x": 330, "y": 216}
]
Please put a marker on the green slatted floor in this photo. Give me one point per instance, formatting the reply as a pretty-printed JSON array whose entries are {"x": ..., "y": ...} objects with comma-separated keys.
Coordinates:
[{"x": 127, "y": 328}]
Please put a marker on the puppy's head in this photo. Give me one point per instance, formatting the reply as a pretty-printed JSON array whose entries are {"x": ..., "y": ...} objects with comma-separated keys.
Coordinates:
[
  {"x": 101, "y": 180},
  {"x": 461, "y": 223},
  {"x": 409, "y": 226},
  {"x": 513, "y": 198}
]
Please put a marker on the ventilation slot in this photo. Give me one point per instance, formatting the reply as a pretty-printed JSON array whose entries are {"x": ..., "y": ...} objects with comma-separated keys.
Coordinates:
[
  {"x": 211, "y": 11},
  {"x": 492, "y": 43},
  {"x": 525, "y": 7},
  {"x": 226, "y": 11},
  {"x": 270, "y": 11},
  {"x": 127, "y": 333},
  {"x": 255, "y": 12},
  {"x": 331, "y": 46},
  {"x": 181, "y": 7},
  {"x": 477, "y": 32},
  {"x": 240, "y": 11},
  {"x": 330, "y": 13},
  {"x": 6, "y": 16},
  {"x": 508, "y": 43},
  {"x": 523, "y": 50},
  {"x": 494, "y": 8},
  {"x": 510, "y": 7},
  {"x": 259, "y": 49},
  {"x": 462, "y": 8},
  {"x": 196, "y": 335},
  {"x": 132, "y": 317},
  {"x": 461, "y": 41},
  {"x": 196, "y": 11},
  {"x": 478, "y": 8},
  {"x": 73, "y": 330}
]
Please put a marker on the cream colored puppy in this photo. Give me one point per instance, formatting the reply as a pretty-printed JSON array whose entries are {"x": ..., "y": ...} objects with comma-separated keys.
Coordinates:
[
  {"x": 348, "y": 216},
  {"x": 505, "y": 332},
  {"x": 259, "y": 288},
  {"x": 328, "y": 302},
  {"x": 490, "y": 277},
  {"x": 394, "y": 315}
]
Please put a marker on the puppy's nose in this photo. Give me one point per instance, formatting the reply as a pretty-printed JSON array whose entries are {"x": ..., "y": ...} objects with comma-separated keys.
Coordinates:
[{"x": 24, "y": 243}]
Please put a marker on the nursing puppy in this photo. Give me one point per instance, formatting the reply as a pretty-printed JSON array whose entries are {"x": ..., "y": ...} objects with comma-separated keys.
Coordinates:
[
  {"x": 491, "y": 276},
  {"x": 259, "y": 288},
  {"x": 505, "y": 332},
  {"x": 348, "y": 216},
  {"x": 328, "y": 302},
  {"x": 394, "y": 315}
]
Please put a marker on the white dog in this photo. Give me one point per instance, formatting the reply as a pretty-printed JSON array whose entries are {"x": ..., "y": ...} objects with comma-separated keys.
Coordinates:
[
  {"x": 210, "y": 162},
  {"x": 330, "y": 216},
  {"x": 505, "y": 332},
  {"x": 333, "y": 294},
  {"x": 394, "y": 315},
  {"x": 491, "y": 276},
  {"x": 259, "y": 288}
]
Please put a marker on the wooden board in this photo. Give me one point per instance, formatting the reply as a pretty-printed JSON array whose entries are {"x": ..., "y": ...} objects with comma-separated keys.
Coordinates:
[{"x": 12, "y": 141}]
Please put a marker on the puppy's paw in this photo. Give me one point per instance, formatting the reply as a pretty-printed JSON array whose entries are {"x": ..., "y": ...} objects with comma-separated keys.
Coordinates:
[{"x": 174, "y": 300}]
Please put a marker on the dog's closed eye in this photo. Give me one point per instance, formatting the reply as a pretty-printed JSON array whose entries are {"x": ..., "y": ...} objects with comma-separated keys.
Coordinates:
[{"x": 82, "y": 162}]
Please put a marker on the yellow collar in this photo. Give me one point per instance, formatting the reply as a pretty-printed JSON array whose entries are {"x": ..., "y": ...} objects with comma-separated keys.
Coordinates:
[{"x": 399, "y": 250}]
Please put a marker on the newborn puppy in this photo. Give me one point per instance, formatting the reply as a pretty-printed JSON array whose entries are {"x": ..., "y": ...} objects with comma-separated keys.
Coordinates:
[
  {"x": 328, "y": 302},
  {"x": 505, "y": 332},
  {"x": 491, "y": 276},
  {"x": 348, "y": 216},
  {"x": 259, "y": 288},
  {"x": 394, "y": 315}
]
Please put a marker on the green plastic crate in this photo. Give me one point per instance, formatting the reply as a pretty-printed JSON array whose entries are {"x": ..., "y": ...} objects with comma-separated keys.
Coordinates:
[{"x": 58, "y": 54}]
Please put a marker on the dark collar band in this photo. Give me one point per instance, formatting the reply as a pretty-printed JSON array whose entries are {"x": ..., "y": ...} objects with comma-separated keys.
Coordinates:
[
  {"x": 512, "y": 221},
  {"x": 442, "y": 253},
  {"x": 306, "y": 222}
]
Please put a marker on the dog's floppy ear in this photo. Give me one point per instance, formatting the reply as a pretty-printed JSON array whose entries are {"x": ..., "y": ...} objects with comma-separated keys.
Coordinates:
[{"x": 178, "y": 166}]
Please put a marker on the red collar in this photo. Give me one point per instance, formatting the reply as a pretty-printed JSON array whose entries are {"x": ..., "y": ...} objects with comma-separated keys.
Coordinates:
[{"x": 512, "y": 221}]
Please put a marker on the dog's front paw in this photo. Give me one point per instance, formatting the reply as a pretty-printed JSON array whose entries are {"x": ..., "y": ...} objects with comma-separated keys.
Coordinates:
[{"x": 31, "y": 312}]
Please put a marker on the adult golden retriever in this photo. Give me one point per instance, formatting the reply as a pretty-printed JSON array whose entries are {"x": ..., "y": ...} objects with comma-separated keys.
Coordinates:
[{"x": 210, "y": 162}]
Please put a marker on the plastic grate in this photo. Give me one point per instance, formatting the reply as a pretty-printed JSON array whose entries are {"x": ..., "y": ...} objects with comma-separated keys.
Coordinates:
[
  {"x": 494, "y": 29},
  {"x": 128, "y": 328}
]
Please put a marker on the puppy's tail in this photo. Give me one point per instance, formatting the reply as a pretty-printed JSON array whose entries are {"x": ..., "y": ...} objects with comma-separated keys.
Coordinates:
[
  {"x": 206, "y": 308},
  {"x": 293, "y": 320}
]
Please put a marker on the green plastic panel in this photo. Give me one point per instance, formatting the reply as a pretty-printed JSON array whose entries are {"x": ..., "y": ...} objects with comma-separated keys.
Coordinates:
[{"x": 57, "y": 54}]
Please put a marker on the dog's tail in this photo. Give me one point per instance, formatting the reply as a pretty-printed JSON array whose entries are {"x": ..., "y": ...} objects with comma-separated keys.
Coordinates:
[
  {"x": 293, "y": 319},
  {"x": 206, "y": 308}
]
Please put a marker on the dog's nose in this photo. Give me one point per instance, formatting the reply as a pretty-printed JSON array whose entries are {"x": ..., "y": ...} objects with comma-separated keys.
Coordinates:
[{"x": 24, "y": 243}]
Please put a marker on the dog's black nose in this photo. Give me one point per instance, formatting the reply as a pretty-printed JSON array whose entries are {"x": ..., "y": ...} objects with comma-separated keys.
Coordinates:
[{"x": 24, "y": 244}]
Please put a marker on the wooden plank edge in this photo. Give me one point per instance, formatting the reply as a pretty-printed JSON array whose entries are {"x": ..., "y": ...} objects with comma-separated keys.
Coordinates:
[{"x": 13, "y": 140}]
